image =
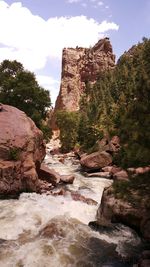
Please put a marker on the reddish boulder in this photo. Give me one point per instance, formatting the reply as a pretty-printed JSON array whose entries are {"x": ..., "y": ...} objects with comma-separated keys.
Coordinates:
[
  {"x": 139, "y": 170},
  {"x": 107, "y": 169},
  {"x": 112, "y": 146},
  {"x": 121, "y": 176},
  {"x": 77, "y": 197},
  {"x": 21, "y": 151},
  {"x": 142, "y": 170},
  {"x": 100, "y": 174},
  {"x": 67, "y": 179},
  {"x": 48, "y": 174},
  {"x": 96, "y": 160},
  {"x": 111, "y": 169}
]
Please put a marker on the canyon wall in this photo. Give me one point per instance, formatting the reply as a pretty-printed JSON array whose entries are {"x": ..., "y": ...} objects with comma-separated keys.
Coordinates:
[{"x": 79, "y": 67}]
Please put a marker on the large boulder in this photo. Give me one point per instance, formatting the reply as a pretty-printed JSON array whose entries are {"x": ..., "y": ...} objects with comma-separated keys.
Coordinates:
[
  {"x": 96, "y": 160},
  {"x": 21, "y": 152},
  {"x": 116, "y": 209}
]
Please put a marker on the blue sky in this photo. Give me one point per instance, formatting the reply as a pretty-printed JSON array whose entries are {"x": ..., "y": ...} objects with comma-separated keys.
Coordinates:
[{"x": 34, "y": 32}]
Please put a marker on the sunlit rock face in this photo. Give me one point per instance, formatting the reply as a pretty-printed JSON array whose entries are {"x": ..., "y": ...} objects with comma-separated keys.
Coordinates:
[
  {"x": 79, "y": 67},
  {"x": 21, "y": 152}
]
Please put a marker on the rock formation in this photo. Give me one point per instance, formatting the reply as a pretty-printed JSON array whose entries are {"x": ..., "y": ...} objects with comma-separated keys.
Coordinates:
[
  {"x": 79, "y": 67},
  {"x": 132, "y": 214},
  {"x": 21, "y": 152}
]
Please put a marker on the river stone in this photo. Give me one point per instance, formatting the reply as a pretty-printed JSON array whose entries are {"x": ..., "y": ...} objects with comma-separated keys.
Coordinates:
[
  {"x": 121, "y": 176},
  {"x": 21, "y": 150},
  {"x": 48, "y": 174},
  {"x": 78, "y": 197},
  {"x": 99, "y": 174},
  {"x": 67, "y": 179},
  {"x": 96, "y": 160},
  {"x": 52, "y": 230}
]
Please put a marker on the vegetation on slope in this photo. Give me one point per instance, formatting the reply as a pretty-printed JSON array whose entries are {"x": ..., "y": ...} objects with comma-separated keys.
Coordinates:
[
  {"x": 119, "y": 104},
  {"x": 134, "y": 190},
  {"x": 68, "y": 124},
  {"x": 19, "y": 88}
]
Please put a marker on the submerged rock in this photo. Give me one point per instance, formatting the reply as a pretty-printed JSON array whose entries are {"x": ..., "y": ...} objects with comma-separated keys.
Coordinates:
[
  {"x": 52, "y": 230},
  {"x": 78, "y": 197},
  {"x": 21, "y": 151}
]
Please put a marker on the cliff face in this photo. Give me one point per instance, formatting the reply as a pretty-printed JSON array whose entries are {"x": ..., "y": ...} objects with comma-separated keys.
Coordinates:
[{"x": 79, "y": 66}]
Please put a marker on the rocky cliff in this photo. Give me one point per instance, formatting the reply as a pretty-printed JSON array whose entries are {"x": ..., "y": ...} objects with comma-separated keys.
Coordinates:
[{"x": 79, "y": 67}]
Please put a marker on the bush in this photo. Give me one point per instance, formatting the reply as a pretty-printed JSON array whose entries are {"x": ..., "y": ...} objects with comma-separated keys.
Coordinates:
[
  {"x": 68, "y": 125},
  {"x": 19, "y": 88},
  {"x": 14, "y": 153},
  {"x": 134, "y": 190}
]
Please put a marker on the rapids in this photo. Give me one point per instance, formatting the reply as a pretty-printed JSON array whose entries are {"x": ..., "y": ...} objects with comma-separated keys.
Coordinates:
[{"x": 52, "y": 231}]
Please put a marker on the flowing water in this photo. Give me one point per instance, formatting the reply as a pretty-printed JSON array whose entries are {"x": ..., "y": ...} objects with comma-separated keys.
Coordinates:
[{"x": 52, "y": 231}]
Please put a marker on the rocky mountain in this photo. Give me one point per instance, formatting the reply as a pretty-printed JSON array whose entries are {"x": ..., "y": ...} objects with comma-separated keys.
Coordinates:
[{"x": 79, "y": 67}]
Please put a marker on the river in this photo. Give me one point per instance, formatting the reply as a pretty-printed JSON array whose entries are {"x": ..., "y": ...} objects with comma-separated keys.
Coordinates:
[{"x": 52, "y": 231}]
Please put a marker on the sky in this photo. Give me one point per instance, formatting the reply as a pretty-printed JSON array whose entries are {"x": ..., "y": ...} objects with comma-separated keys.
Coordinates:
[{"x": 34, "y": 32}]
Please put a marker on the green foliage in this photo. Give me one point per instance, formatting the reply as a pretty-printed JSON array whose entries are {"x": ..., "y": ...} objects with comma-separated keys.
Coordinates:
[
  {"x": 47, "y": 131},
  {"x": 119, "y": 104},
  {"x": 134, "y": 114},
  {"x": 14, "y": 153},
  {"x": 88, "y": 133},
  {"x": 97, "y": 109},
  {"x": 19, "y": 88},
  {"x": 133, "y": 190},
  {"x": 132, "y": 155},
  {"x": 68, "y": 125}
]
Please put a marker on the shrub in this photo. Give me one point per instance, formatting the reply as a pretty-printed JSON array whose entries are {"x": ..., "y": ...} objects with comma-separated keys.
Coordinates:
[{"x": 14, "y": 153}]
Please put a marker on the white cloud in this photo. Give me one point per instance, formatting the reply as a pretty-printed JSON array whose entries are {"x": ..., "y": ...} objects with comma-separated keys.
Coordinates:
[
  {"x": 73, "y": 1},
  {"x": 84, "y": 4},
  {"x": 96, "y": 3},
  {"x": 49, "y": 84},
  {"x": 33, "y": 41},
  {"x": 100, "y": 3}
]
